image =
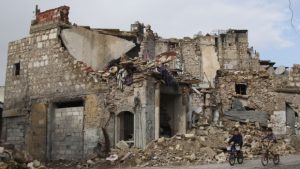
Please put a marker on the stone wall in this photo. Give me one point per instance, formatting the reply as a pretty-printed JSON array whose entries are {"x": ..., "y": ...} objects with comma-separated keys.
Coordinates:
[
  {"x": 262, "y": 91},
  {"x": 2, "y": 94},
  {"x": 294, "y": 78},
  {"x": 259, "y": 94},
  {"x": 232, "y": 49},
  {"x": 168, "y": 45},
  {"x": 203, "y": 55},
  {"x": 209, "y": 57},
  {"x": 188, "y": 52},
  {"x": 41, "y": 70},
  {"x": 148, "y": 45},
  {"x": 48, "y": 74},
  {"x": 138, "y": 99}
]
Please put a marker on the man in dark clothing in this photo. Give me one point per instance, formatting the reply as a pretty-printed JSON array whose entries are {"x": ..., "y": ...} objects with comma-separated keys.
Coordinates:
[{"x": 237, "y": 138}]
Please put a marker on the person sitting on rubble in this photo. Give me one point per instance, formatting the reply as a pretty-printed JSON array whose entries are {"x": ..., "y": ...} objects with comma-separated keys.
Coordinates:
[
  {"x": 271, "y": 139},
  {"x": 236, "y": 139}
]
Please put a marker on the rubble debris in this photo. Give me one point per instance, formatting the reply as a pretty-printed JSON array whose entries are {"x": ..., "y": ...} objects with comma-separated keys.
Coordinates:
[
  {"x": 112, "y": 157},
  {"x": 90, "y": 76},
  {"x": 3, "y": 165},
  {"x": 126, "y": 156},
  {"x": 207, "y": 148},
  {"x": 221, "y": 157},
  {"x": 189, "y": 135},
  {"x": 122, "y": 145},
  {"x": 90, "y": 162},
  {"x": 165, "y": 57},
  {"x": 14, "y": 158},
  {"x": 35, "y": 165}
]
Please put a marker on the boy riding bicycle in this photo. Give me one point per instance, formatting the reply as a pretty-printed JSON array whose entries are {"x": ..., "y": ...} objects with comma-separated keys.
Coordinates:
[
  {"x": 271, "y": 139},
  {"x": 236, "y": 139}
]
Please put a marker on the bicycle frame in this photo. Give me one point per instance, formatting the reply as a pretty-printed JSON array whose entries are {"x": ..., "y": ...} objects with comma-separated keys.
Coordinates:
[
  {"x": 234, "y": 153},
  {"x": 267, "y": 154},
  {"x": 267, "y": 149}
]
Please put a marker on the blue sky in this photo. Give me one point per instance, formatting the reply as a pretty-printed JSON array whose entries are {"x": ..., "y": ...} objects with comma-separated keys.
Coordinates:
[{"x": 268, "y": 21}]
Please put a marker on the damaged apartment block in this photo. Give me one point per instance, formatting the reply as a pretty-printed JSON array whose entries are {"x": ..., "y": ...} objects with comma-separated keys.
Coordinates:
[{"x": 70, "y": 88}]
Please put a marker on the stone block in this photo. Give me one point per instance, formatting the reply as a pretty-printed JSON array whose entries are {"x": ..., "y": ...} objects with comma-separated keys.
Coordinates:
[
  {"x": 52, "y": 35},
  {"x": 39, "y": 45},
  {"x": 44, "y": 37},
  {"x": 45, "y": 57}
]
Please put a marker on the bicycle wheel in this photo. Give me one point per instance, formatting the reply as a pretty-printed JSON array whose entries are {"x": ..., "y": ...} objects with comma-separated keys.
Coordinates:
[
  {"x": 6, "y": 157},
  {"x": 276, "y": 159},
  {"x": 240, "y": 158},
  {"x": 264, "y": 160},
  {"x": 231, "y": 159}
]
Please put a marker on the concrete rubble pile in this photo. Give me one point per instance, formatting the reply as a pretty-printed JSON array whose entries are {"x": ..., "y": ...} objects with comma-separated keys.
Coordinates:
[
  {"x": 204, "y": 144},
  {"x": 130, "y": 70},
  {"x": 12, "y": 158},
  {"x": 252, "y": 135}
]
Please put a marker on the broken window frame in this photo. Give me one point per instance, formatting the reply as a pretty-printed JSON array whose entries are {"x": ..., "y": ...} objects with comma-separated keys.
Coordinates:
[
  {"x": 241, "y": 88},
  {"x": 172, "y": 45}
]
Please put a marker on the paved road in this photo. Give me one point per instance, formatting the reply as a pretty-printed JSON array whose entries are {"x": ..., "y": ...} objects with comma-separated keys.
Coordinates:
[{"x": 288, "y": 162}]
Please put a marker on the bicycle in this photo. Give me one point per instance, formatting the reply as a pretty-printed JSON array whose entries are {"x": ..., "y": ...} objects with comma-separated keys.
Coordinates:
[
  {"x": 5, "y": 155},
  {"x": 235, "y": 153},
  {"x": 267, "y": 154}
]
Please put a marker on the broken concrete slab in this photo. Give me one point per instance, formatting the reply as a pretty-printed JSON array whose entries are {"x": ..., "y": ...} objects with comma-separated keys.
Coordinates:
[
  {"x": 122, "y": 145},
  {"x": 93, "y": 48},
  {"x": 251, "y": 116}
]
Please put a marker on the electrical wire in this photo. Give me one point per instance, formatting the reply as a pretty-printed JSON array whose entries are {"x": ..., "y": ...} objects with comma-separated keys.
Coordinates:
[{"x": 292, "y": 18}]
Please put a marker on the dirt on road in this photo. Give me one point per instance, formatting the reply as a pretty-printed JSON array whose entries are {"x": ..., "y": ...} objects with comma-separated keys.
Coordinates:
[{"x": 286, "y": 162}]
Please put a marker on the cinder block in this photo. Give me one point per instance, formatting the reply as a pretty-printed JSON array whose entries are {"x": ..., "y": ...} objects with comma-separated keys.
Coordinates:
[{"x": 76, "y": 113}]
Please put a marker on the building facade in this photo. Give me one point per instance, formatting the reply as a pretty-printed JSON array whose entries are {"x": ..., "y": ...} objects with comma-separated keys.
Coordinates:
[{"x": 69, "y": 87}]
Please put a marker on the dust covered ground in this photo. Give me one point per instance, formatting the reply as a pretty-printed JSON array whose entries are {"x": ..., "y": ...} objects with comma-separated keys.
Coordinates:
[
  {"x": 202, "y": 147},
  {"x": 287, "y": 162}
]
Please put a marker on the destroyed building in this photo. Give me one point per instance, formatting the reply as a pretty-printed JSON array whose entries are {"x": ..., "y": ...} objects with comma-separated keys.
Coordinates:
[
  {"x": 1, "y": 103},
  {"x": 66, "y": 84},
  {"x": 1, "y": 94}
]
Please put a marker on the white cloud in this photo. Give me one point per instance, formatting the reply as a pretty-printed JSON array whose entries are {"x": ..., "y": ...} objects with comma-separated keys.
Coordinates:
[{"x": 265, "y": 20}]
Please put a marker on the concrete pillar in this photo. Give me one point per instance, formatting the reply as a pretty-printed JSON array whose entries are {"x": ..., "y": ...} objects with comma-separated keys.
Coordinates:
[{"x": 157, "y": 109}]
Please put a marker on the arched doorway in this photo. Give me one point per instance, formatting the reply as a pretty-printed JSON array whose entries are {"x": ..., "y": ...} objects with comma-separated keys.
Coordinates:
[{"x": 125, "y": 129}]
